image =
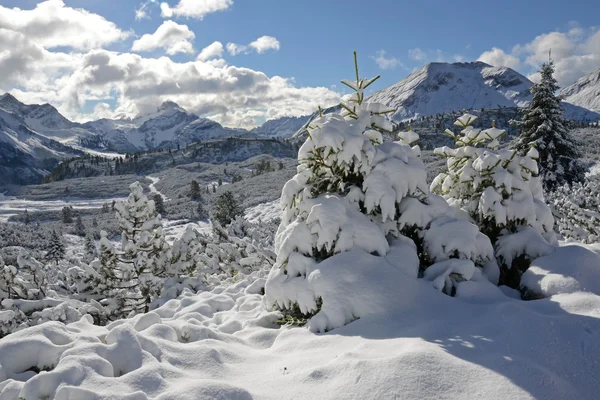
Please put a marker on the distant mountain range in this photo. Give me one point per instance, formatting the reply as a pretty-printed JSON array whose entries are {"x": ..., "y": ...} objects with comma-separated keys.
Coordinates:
[{"x": 34, "y": 138}]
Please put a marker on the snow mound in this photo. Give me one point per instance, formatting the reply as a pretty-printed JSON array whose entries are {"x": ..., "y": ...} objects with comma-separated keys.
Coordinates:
[{"x": 571, "y": 269}]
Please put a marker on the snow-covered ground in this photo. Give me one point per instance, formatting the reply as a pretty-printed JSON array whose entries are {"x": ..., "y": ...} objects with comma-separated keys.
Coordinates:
[
  {"x": 11, "y": 206},
  {"x": 265, "y": 212},
  {"x": 223, "y": 344}
]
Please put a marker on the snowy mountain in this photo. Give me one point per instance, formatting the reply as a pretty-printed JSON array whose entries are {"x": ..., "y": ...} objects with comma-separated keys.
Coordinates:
[
  {"x": 283, "y": 127},
  {"x": 585, "y": 92},
  {"x": 46, "y": 121},
  {"x": 25, "y": 155},
  {"x": 168, "y": 126},
  {"x": 443, "y": 87}
]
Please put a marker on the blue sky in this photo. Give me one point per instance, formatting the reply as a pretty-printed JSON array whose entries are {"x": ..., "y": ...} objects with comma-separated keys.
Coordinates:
[{"x": 316, "y": 37}]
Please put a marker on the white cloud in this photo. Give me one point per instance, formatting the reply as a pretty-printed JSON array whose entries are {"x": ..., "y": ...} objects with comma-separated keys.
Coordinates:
[
  {"x": 194, "y": 8},
  {"x": 575, "y": 53},
  {"x": 265, "y": 43},
  {"x": 498, "y": 58},
  {"x": 171, "y": 36},
  {"x": 417, "y": 54},
  {"x": 423, "y": 56},
  {"x": 142, "y": 11},
  {"x": 52, "y": 24},
  {"x": 213, "y": 50},
  {"x": 260, "y": 45},
  {"x": 385, "y": 62},
  {"x": 235, "y": 49},
  {"x": 126, "y": 84}
]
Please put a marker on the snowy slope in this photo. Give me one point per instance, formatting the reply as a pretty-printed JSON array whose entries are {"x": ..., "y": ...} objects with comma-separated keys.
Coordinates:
[
  {"x": 283, "y": 127},
  {"x": 46, "y": 121},
  {"x": 443, "y": 87},
  {"x": 25, "y": 155},
  {"x": 585, "y": 92}
]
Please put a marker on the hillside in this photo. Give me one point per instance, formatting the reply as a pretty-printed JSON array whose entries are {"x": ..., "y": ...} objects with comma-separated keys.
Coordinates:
[{"x": 585, "y": 92}]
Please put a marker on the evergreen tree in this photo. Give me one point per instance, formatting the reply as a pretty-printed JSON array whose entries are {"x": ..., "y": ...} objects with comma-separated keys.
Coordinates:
[
  {"x": 543, "y": 127},
  {"x": 159, "y": 204},
  {"x": 195, "y": 190},
  {"x": 27, "y": 218},
  {"x": 220, "y": 182},
  {"x": 226, "y": 208},
  {"x": 67, "y": 215},
  {"x": 130, "y": 278},
  {"x": 90, "y": 248},
  {"x": 56, "y": 247},
  {"x": 201, "y": 211},
  {"x": 500, "y": 192},
  {"x": 79, "y": 226}
]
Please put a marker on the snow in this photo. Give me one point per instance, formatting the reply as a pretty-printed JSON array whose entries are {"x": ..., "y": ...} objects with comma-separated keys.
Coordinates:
[
  {"x": 265, "y": 212},
  {"x": 153, "y": 189},
  {"x": 571, "y": 269},
  {"x": 410, "y": 342},
  {"x": 11, "y": 206}
]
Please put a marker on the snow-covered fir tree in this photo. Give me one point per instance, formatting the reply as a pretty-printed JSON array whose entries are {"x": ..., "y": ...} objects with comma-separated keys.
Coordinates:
[
  {"x": 544, "y": 128},
  {"x": 500, "y": 192},
  {"x": 353, "y": 191},
  {"x": 56, "y": 247},
  {"x": 130, "y": 278}
]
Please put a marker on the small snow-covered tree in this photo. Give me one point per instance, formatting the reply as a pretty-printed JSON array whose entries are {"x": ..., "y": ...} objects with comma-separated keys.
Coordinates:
[
  {"x": 500, "y": 192},
  {"x": 90, "y": 248},
  {"x": 79, "y": 226},
  {"x": 67, "y": 215},
  {"x": 543, "y": 127},
  {"x": 353, "y": 191},
  {"x": 56, "y": 247},
  {"x": 130, "y": 278},
  {"x": 27, "y": 218},
  {"x": 226, "y": 208},
  {"x": 195, "y": 190},
  {"x": 159, "y": 203}
]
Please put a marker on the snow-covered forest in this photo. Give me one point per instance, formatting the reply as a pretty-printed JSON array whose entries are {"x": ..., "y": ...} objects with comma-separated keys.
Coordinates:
[{"x": 368, "y": 266}]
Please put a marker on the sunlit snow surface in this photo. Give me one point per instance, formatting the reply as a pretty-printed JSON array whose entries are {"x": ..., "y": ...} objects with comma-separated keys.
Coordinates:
[{"x": 223, "y": 345}]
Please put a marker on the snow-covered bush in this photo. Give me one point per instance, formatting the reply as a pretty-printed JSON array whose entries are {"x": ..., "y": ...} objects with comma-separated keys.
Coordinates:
[
  {"x": 499, "y": 191},
  {"x": 576, "y": 210},
  {"x": 353, "y": 191}
]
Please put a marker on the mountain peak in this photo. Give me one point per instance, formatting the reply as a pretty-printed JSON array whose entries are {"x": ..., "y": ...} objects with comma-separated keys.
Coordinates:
[
  {"x": 8, "y": 98},
  {"x": 169, "y": 106}
]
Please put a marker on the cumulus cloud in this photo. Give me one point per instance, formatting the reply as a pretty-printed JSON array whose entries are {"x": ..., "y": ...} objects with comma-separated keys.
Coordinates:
[
  {"x": 265, "y": 43},
  {"x": 385, "y": 62},
  {"x": 498, "y": 58},
  {"x": 142, "y": 11},
  {"x": 127, "y": 84},
  {"x": 213, "y": 50},
  {"x": 575, "y": 53},
  {"x": 171, "y": 36},
  {"x": 194, "y": 8},
  {"x": 52, "y": 24},
  {"x": 260, "y": 45}
]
